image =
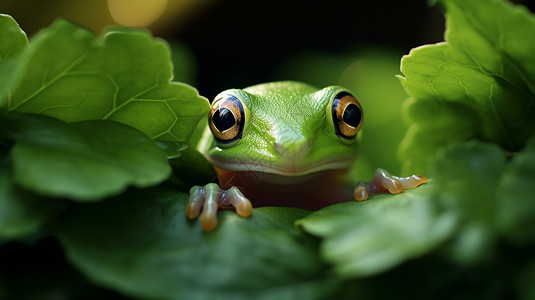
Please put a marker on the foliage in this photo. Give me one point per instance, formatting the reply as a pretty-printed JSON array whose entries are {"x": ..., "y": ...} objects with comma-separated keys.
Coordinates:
[
  {"x": 479, "y": 84},
  {"x": 159, "y": 253},
  {"x": 124, "y": 77},
  {"x": 103, "y": 157},
  {"x": 91, "y": 128}
]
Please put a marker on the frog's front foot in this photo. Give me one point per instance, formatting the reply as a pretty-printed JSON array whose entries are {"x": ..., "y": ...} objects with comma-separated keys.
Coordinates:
[
  {"x": 383, "y": 182},
  {"x": 207, "y": 200}
]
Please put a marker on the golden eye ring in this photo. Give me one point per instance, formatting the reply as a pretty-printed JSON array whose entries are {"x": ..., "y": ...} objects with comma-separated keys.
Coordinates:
[
  {"x": 226, "y": 119},
  {"x": 347, "y": 115}
]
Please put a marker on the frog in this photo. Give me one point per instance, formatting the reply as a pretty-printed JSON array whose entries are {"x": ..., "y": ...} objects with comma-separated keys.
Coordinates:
[{"x": 284, "y": 143}]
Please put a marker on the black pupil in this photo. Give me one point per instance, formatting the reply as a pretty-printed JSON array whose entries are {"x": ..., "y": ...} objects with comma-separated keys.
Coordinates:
[
  {"x": 352, "y": 115},
  {"x": 223, "y": 119}
]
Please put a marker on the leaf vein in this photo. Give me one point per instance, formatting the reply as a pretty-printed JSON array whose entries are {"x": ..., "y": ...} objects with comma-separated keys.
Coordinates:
[
  {"x": 46, "y": 85},
  {"x": 126, "y": 102}
]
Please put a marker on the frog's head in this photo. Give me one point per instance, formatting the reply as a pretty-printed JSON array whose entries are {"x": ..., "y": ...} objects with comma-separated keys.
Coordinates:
[{"x": 284, "y": 128}]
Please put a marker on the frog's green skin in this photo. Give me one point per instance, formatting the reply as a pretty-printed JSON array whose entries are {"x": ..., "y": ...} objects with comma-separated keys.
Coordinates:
[
  {"x": 288, "y": 131},
  {"x": 289, "y": 154}
]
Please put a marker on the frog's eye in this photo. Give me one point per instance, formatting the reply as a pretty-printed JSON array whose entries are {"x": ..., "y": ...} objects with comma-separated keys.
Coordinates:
[
  {"x": 226, "y": 119},
  {"x": 347, "y": 115}
]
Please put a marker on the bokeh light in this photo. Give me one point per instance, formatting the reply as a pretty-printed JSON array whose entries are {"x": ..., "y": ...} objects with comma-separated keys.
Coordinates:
[{"x": 136, "y": 13}]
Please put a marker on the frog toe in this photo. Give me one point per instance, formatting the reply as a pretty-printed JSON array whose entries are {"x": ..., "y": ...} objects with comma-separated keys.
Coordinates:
[
  {"x": 210, "y": 206},
  {"x": 209, "y": 219},
  {"x": 243, "y": 206},
  {"x": 361, "y": 192},
  {"x": 384, "y": 182},
  {"x": 195, "y": 202},
  {"x": 205, "y": 201},
  {"x": 412, "y": 181}
]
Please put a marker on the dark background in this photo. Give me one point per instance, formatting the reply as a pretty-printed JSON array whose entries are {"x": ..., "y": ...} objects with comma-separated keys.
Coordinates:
[{"x": 239, "y": 43}]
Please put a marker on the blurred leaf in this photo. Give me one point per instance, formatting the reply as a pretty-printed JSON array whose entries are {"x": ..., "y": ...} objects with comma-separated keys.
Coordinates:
[
  {"x": 14, "y": 40},
  {"x": 366, "y": 238},
  {"x": 21, "y": 213},
  {"x": 420, "y": 143},
  {"x": 184, "y": 64},
  {"x": 516, "y": 196},
  {"x": 143, "y": 245},
  {"x": 466, "y": 177},
  {"x": 486, "y": 70},
  {"x": 431, "y": 277},
  {"x": 68, "y": 74},
  {"x": 319, "y": 69},
  {"x": 85, "y": 160}
]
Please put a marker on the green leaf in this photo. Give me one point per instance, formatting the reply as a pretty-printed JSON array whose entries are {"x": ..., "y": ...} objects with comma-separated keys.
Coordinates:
[
  {"x": 421, "y": 142},
  {"x": 21, "y": 212},
  {"x": 485, "y": 69},
  {"x": 14, "y": 40},
  {"x": 172, "y": 149},
  {"x": 516, "y": 196},
  {"x": 68, "y": 74},
  {"x": 466, "y": 178},
  {"x": 366, "y": 238},
  {"x": 144, "y": 245},
  {"x": 85, "y": 160}
]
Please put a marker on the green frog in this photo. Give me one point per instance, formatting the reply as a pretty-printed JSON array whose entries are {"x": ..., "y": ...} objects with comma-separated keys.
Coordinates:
[{"x": 284, "y": 144}]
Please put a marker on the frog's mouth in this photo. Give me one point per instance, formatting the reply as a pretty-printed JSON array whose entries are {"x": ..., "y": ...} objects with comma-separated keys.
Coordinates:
[{"x": 284, "y": 170}]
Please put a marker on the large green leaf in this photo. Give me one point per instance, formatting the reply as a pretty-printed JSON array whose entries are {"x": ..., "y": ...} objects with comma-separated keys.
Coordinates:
[
  {"x": 68, "y": 74},
  {"x": 144, "y": 245},
  {"x": 478, "y": 84},
  {"x": 366, "y": 238},
  {"x": 85, "y": 160},
  {"x": 14, "y": 40}
]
